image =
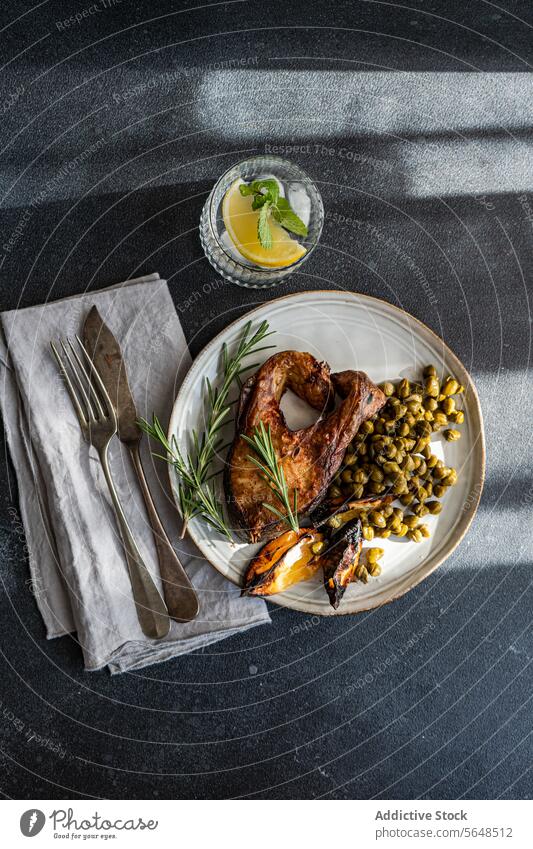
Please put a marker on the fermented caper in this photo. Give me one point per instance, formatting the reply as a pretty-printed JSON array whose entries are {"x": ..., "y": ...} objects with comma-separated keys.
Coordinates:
[
  {"x": 401, "y": 532},
  {"x": 357, "y": 490},
  {"x": 350, "y": 459},
  {"x": 391, "y": 468},
  {"x": 407, "y": 499},
  {"x": 408, "y": 464},
  {"x": 434, "y": 507},
  {"x": 375, "y": 569},
  {"x": 387, "y": 388},
  {"x": 362, "y": 574},
  {"x": 404, "y": 388},
  {"x": 452, "y": 435},
  {"x": 367, "y": 427},
  {"x": 334, "y": 492},
  {"x": 384, "y": 533},
  {"x": 451, "y": 479},
  {"x": 377, "y": 518},
  {"x": 424, "y": 530},
  {"x": 458, "y": 417},
  {"x": 430, "y": 404},
  {"x": 400, "y": 486},
  {"x": 439, "y": 490},
  {"x": 431, "y": 386},
  {"x": 448, "y": 406},
  {"x": 430, "y": 371},
  {"x": 440, "y": 418},
  {"x": 450, "y": 386},
  {"x": 374, "y": 554},
  {"x": 368, "y": 533},
  {"x": 410, "y": 521},
  {"x": 346, "y": 476},
  {"x": 416, "y": 535}
]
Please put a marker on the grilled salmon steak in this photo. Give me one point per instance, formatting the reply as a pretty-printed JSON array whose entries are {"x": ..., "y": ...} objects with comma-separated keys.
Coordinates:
[{"x": 310, "y": 457}]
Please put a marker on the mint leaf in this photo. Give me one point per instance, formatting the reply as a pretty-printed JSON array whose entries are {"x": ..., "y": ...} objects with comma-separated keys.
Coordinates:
[
  {"x": 263, "y": 227},
  {"x": 259, "y": 200},
  {"x": 288, "y": 218},
  {"x": 271, "y": 186},
  {"x": 246, "y": 189}
]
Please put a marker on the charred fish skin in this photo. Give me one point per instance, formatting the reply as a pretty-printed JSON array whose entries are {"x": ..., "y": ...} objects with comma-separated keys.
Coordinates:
[
  {"x": 310, "y": 456},
  {"x": 259, "y": 401}
]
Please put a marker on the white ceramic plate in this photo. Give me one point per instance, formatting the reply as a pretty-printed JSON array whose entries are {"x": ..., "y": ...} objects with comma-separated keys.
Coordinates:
[{"x": 349, "y": 331}]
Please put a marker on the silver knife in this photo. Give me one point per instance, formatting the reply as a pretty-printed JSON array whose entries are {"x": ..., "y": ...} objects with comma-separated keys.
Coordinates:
[{"x": 104, "y": 350}]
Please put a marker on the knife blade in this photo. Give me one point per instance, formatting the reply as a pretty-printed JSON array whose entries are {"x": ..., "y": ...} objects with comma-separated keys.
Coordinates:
[{"x": 106, "y": 355}]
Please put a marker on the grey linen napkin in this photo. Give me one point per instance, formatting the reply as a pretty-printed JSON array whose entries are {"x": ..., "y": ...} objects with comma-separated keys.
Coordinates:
[{"x": 78, "y": 571}]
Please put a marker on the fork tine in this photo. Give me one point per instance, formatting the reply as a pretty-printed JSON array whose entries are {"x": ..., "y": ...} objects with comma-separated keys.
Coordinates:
[
  {"x": 92, "y": 393},
  {"x": 70, "y": 388},
  {"x": 98, "y": 381},
  {"x": 79, "y": 383}
]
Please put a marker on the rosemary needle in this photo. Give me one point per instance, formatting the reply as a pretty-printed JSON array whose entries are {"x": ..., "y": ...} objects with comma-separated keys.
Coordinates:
[
  {"x": 197, "y": 496},
  {"x": 271, "y": 469}
]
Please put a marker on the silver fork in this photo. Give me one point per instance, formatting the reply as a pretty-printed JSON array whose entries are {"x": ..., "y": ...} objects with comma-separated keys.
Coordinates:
[{"x": 98, "y": 423}]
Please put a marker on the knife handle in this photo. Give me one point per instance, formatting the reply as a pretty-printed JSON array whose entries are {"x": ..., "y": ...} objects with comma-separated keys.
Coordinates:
[
  {"x": 180, "y": 596},
  {"x": 151, "y": 610}
]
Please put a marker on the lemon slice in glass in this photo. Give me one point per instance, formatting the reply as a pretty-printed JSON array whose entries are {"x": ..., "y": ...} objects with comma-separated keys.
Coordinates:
[{"x": 241, "y": 222}]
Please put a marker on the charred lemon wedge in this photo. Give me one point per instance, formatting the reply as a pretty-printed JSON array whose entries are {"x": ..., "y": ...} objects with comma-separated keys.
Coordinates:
[{"x": 284, "y": 561}]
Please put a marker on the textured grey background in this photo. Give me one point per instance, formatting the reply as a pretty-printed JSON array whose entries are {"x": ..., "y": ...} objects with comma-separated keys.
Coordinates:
[{"x": 415, "y": 121}]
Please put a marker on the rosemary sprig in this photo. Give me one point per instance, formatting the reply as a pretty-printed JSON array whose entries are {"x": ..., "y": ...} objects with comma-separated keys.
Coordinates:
[
  {"x": 272, "y": 470},
  {"x": 197, "y": 496}
]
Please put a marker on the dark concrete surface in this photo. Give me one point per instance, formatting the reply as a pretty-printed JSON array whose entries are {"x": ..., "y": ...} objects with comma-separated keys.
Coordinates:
[{"x": 415, "y": 121}]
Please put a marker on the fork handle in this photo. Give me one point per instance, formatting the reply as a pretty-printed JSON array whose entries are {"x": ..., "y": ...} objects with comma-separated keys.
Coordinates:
[
  {"x": 181, "y": 599},
  {"x": 151, "y": 610}
]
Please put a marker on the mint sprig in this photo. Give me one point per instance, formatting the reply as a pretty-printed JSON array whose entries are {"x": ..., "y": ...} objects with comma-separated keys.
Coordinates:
[{"x": 267, "y": 199}]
